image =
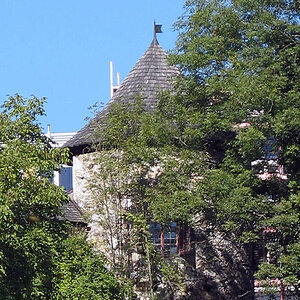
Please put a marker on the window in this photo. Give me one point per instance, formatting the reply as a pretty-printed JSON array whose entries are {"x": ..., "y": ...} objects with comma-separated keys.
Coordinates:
[
  {"x": 64, "y": 177},
  {"x": 164, "y": 239}
]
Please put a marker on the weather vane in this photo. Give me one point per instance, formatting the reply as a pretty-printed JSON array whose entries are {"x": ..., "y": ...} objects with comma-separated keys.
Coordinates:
[{"x": 157, "y": 29}]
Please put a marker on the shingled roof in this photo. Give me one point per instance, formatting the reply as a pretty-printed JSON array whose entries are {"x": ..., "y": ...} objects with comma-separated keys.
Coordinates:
[
  {"x": 72, "y": 212},
  {"x": 151, "y": 74}
]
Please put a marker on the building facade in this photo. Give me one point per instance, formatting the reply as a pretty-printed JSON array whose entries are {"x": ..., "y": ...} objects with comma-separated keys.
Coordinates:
[{"x": 191, "y": 248}]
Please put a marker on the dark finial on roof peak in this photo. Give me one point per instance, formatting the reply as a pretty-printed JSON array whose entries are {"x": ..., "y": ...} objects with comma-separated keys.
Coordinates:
[{"x": 157, "y": 29}]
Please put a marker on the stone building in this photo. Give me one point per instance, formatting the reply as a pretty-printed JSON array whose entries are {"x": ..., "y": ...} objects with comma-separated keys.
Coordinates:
[{"x": 214, "y": 266}]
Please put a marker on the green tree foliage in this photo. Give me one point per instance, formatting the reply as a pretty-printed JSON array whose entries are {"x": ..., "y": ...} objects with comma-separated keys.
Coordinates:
[
  {"x": 124, "y": 189},
  {"x": 236, "y": 108},
  {"x": 80, "y": 273},
  {"x": 30, "y": 231},
  {"x": 241, "y": 61},
  {"x": 36, "y": 259}
]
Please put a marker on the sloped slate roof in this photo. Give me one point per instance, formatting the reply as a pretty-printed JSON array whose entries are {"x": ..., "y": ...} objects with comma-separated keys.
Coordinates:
[
  {"x": 151, "y": 74},
  {"x": 72, "y": 212}
]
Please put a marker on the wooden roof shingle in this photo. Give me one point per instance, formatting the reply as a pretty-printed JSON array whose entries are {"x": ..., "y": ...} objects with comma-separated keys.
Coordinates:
[
  {"x": 150, "y": 75},
  {"x": 72, "y": 212}
]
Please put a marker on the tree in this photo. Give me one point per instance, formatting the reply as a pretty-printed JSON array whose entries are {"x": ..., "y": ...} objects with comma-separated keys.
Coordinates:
[
  {"x": 241, "y": 61},
  {"x": 36, "y": 258},
  {"x": 120, "y": 187},
  {"x": 30, "y": 231},
  {"x": 236, "y": 111},
  {"x": 81, "y": 273}
]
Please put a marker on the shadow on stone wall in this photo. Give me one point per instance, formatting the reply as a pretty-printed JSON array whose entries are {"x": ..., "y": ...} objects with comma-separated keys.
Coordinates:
[{"x": 221, "y": 268}]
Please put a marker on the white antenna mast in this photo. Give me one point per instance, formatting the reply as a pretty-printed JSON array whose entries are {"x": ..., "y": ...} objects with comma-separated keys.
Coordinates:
[{"x": 113, "y": 88}]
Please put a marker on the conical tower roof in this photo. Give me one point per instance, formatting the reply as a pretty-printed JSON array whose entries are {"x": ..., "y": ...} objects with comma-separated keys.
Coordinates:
[{"x": 150, "y": 75}]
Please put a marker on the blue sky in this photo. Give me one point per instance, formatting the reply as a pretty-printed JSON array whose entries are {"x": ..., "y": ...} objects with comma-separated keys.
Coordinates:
[{"x": 61, "y": 49}]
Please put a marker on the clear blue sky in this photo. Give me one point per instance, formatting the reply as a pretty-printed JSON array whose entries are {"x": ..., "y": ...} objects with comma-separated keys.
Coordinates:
[{"x": 61, "y": 49}]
